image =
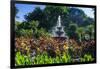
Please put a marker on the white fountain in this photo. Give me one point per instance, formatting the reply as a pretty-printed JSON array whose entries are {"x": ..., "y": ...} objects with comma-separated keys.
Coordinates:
[{"x": 58, "y": 31}]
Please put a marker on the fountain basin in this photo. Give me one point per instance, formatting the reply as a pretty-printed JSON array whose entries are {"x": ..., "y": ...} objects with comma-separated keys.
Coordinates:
[{"x": 59, "y": 38}]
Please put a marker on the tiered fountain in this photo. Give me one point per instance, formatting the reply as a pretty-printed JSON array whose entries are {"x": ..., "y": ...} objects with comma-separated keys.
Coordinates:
[{"x": 58, "y": 31}]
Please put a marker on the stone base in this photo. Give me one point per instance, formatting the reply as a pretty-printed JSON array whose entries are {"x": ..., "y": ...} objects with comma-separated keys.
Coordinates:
[{"x": 59, "y": 38}]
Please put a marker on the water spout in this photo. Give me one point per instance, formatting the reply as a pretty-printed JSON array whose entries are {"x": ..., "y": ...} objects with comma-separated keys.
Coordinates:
[{"x": 59, "y": 21}]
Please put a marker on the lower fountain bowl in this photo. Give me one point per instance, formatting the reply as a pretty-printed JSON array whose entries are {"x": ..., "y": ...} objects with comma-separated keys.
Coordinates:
[{"x": 59, "y": 38}]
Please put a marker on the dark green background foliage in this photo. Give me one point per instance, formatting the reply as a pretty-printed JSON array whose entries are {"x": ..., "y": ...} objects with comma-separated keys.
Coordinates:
[{"x": 74, "y": 20}]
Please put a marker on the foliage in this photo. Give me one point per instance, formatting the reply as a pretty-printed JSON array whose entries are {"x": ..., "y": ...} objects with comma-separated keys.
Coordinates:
[
  {"x": 41, "y": 33},
  {"x": 41, "y": 59},
  {"x": 90, "y": 31},
  {"x": 87, "y": 58},
  {"x": 45, "y": 59},
  {"x": 25, "y": 33},
  {"x": 47, "y": 17},
  {"x": 48, "y": 51},
  {"x": 22, "y": 59},
  {"x": 88, "y": 47},
  {"x": 29, "y": 29},
  {"x": 81, "y": 32},
  {"x": 73, "y": 27},
  {"x": 74, "y": 49},
  {"x": 78, "y": 17},
  {"x": 72, "y": 31}
]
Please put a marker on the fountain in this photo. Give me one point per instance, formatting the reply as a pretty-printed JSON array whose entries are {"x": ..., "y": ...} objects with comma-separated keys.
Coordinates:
[{"x": 58, "y": 31}]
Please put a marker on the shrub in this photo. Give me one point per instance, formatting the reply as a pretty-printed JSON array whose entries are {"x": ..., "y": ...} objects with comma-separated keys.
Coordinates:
[
  {"x": 87, "y": 58},
  {"x": 41, "y": 59},
  {"x": 22, "y": 59},
  {"x": 24, "y": 33}
]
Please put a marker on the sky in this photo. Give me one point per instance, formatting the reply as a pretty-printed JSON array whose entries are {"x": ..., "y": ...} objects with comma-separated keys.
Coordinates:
[
  {"x": 26, "y": 8},
  {"x": 88, "y": 11}
]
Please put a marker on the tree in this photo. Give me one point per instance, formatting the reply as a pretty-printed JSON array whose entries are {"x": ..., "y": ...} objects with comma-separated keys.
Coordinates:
[
  {"x": 26, "y": 28},
  {"x": 90, "y": 29},
  {"x": 52, "y": 13},
  {"x": 25, "y": 33},
  {"x": 79, "y": 17},
  {"x": 80, "y": 32},
  {"x": 48, "y": 16},
  {"x": 73, "y": 27},
  {"x": 36, "y": 15},
  {"x": 17, "y": 25},
  {"x": 72, "y": 31},
  {"x": 17, "y": 28}
]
